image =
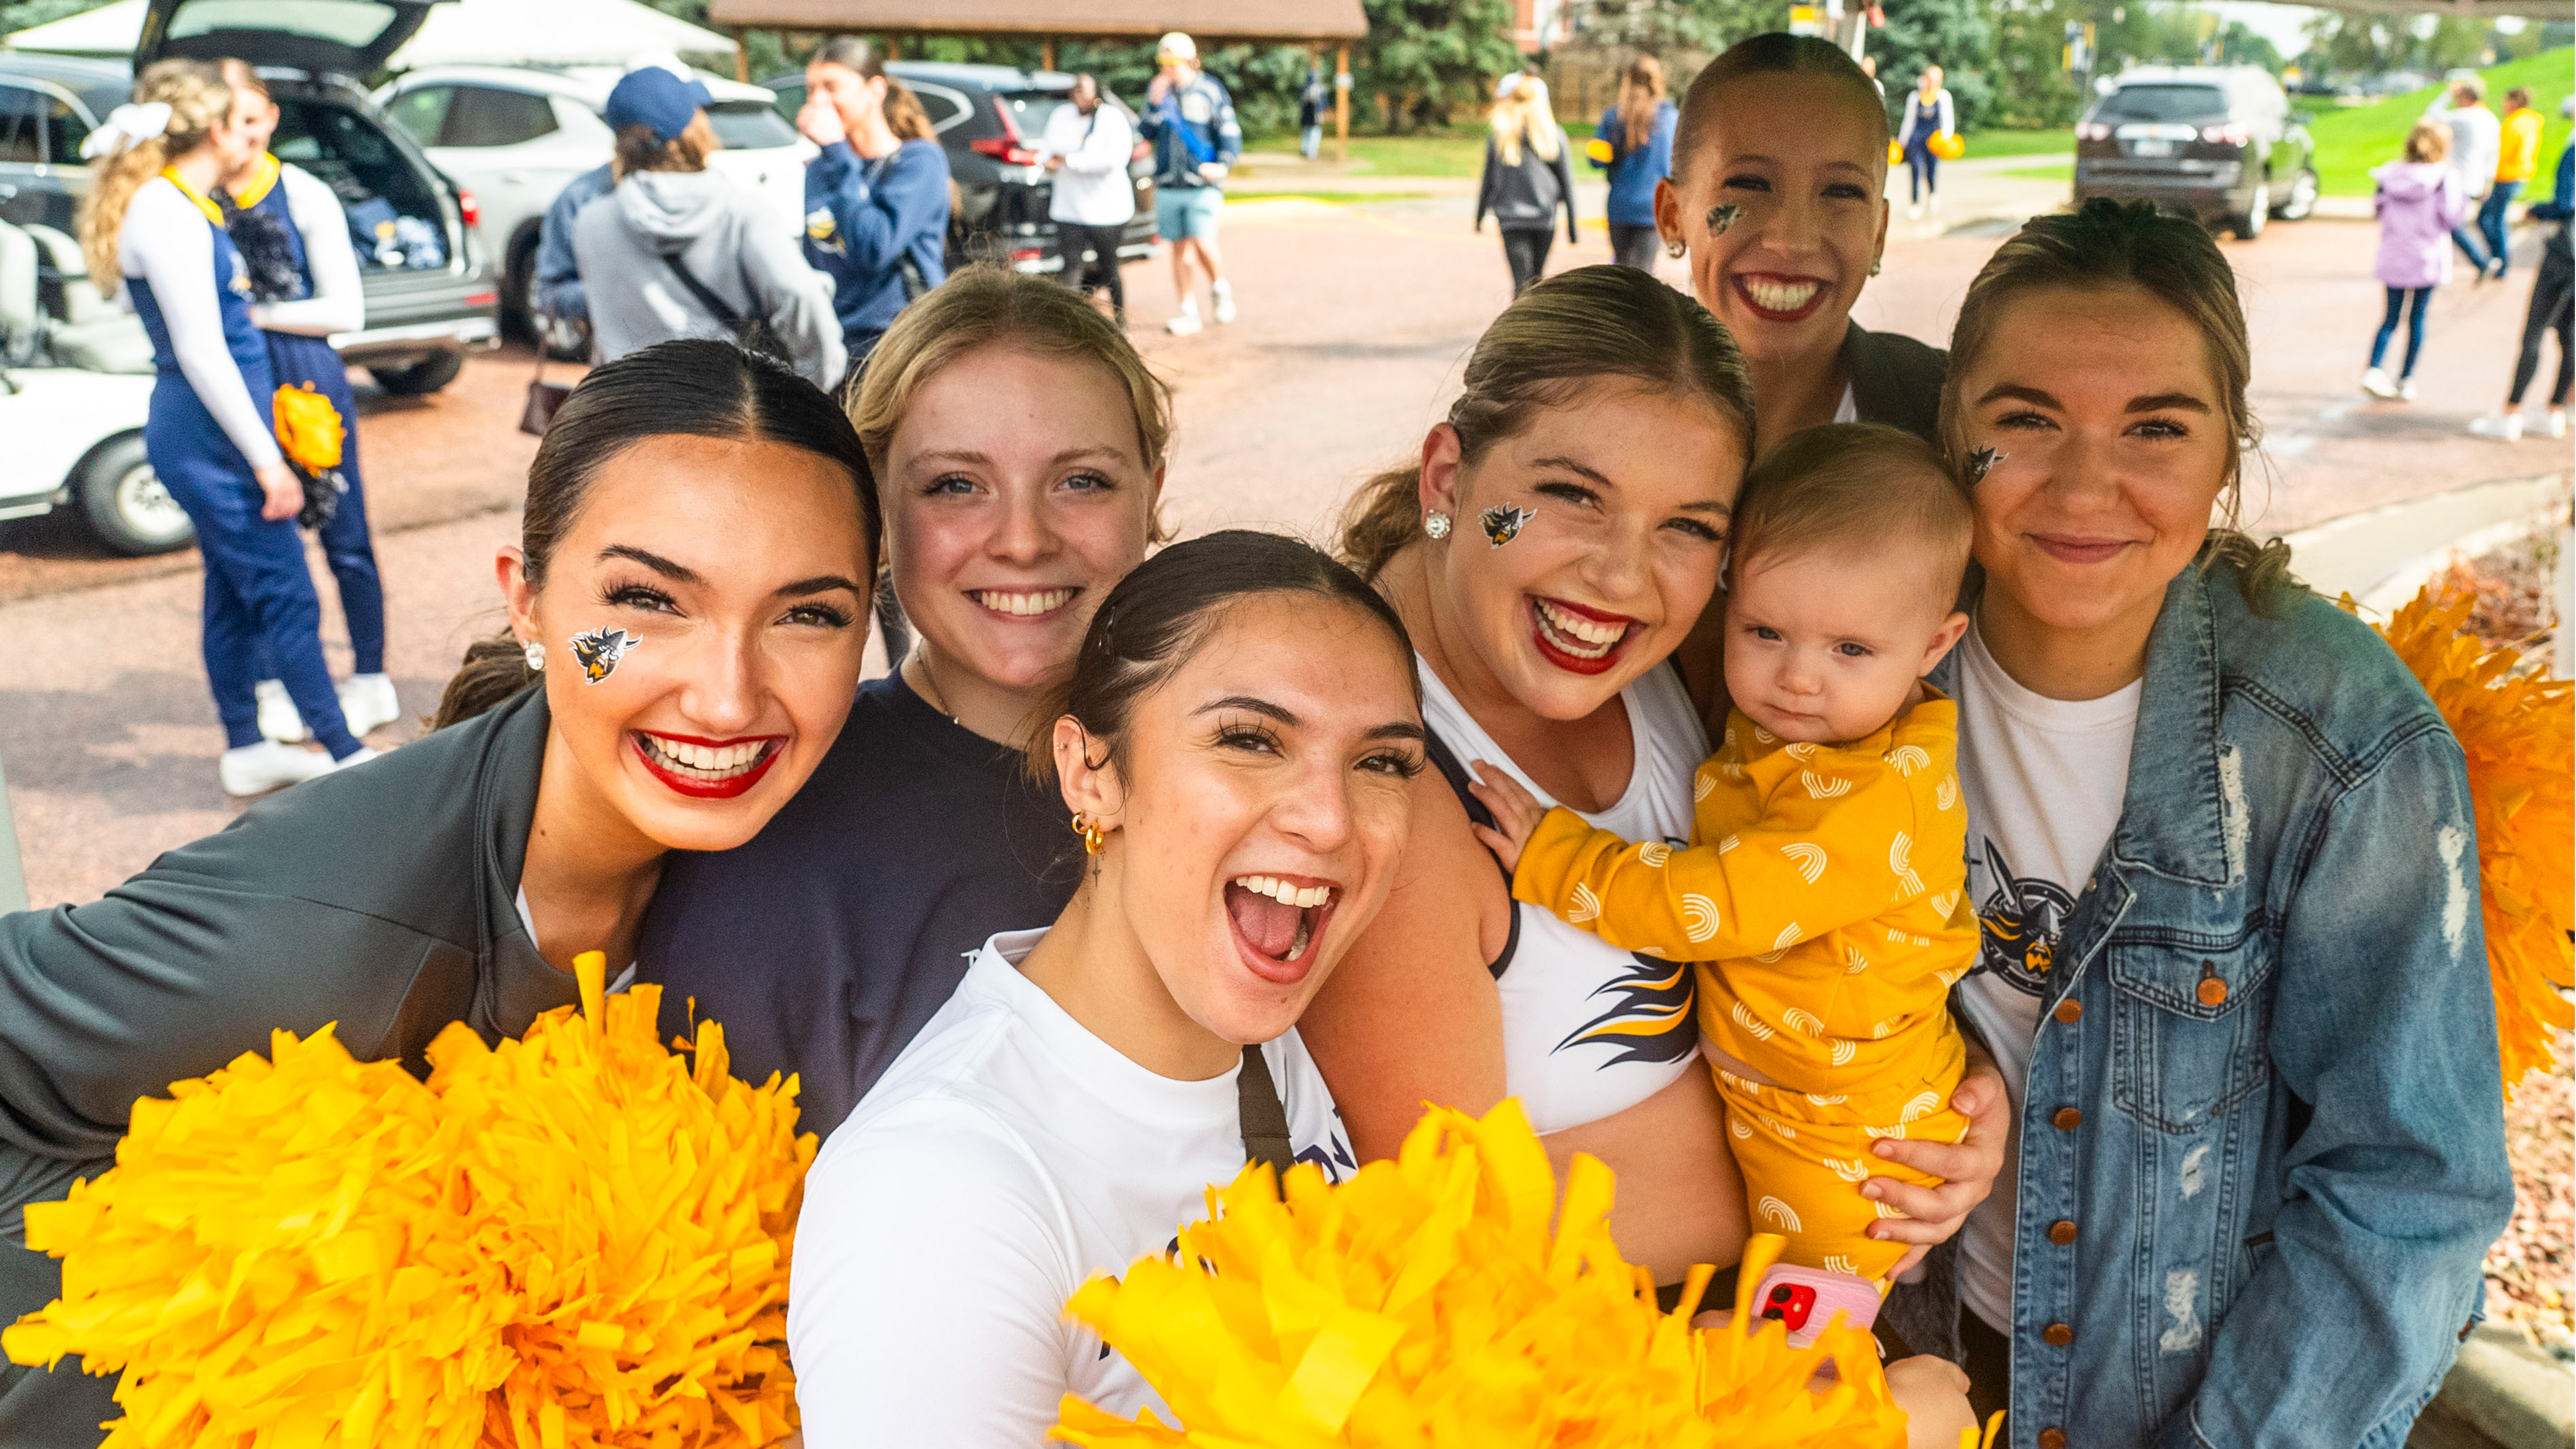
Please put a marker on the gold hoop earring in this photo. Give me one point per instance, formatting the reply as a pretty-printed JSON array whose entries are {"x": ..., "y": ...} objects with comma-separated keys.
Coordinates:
[{"x": 1093, "y": 837}]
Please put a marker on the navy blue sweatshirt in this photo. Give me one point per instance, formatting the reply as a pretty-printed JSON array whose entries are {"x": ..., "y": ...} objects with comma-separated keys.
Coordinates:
[
  {"x": 862, "y": 217},
  {"x": 825, "y": 942}
]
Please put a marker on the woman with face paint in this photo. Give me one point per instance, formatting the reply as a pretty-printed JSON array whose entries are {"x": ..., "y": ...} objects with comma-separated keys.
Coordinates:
[
  {"x": 1020, "y": 441},
  {"x": 1560, "y": 534},
  {"x": 2222, "y": 847},
  {"x": 1235, "y": 747},
  {"x": 687, "y": 613}
]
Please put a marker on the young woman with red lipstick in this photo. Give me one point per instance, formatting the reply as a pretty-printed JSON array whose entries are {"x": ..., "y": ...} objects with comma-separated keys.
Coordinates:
[
  {"x": 1236, "y": 747},
  {"x": 1604, "y": 428},
  {"x": 692, "y": 572},
  {"x": 1020, "y": 441}
]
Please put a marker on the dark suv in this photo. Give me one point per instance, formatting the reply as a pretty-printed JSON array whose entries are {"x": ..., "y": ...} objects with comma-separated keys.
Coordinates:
[
  {"x": 429, "y": 297},
  {"x": 989, "y": 119},
  {"x": 2219, "y": 145}
]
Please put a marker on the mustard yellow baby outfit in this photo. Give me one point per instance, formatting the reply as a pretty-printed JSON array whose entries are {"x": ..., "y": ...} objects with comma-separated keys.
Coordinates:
[{"x": 1823, "y": 898}]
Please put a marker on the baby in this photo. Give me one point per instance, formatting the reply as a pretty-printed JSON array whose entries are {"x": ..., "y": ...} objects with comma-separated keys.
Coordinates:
[{"x": 1822, "y": 893}]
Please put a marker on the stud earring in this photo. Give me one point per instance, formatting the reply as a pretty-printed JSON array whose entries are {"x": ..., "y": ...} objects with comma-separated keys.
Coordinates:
[
  {"x": 1093, "y": 837},
  {"x": 1675, "y": 248},
  {"x": 1435, "y": 525},
  {"x": 535, "y": 654}
]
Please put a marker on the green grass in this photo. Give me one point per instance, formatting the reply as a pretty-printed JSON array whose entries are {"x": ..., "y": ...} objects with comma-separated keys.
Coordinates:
[
  {"x": 2063, "y": 171},
  {"x": 1984, "y": 144},
  {"x": 2350, "y": 142}
]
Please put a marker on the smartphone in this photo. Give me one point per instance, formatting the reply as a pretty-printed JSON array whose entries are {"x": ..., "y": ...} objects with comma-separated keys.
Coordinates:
[{"x": 1806, "y": 1299}]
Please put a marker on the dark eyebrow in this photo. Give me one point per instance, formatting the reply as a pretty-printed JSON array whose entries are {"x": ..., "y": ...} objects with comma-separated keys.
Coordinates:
[
  {"x": 969, "y": 455},
  {"x": 1571, "y": 466},
  {"x": 819, "y": 584},
  {"x": 1399, "y": 730},
  {"x": 1260, "y": 707},
  {"x": 677, "y": 573},
  {"x": 2023, "y": 394},
  {"x": 2154, "y": 402}
]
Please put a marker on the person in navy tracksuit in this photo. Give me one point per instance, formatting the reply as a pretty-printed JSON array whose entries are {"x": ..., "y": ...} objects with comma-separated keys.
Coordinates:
[
  {"x": 877, "y": 199},
  {"x": 152, "y": 227},
  {"x": 290, "y": 229}
]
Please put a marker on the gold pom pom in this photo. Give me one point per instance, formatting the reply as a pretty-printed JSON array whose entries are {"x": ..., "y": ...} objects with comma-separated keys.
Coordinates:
[
  {"x": 1426, "y": 1301},
  {"x": 574, "y": 1239},
  {"x": 2518, "y": 730}
]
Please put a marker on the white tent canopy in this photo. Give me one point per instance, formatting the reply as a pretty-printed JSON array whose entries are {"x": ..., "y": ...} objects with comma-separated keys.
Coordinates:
[{"x": 461, "y": 32}]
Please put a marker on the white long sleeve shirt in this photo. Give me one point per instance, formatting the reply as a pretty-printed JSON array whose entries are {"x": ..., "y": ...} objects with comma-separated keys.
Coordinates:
[
  {"x": 1091, "y": 188},
  {"x": 1941, "y": 118},
  {"x": 168, "y": 243},
  {"x": 338, "y": 303}
]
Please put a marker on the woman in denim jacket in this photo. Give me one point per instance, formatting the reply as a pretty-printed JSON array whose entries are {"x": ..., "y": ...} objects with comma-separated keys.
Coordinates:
[{"x": 2222, "y": 849}]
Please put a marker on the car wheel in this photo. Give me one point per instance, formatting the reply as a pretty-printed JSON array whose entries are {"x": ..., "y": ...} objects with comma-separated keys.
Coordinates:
[
  {"x": 123, "y": 502},
  {"x": 2257, "y": 211},
  {"x": 2303, "y": 195},
  {"x": 423, "y": 377}
]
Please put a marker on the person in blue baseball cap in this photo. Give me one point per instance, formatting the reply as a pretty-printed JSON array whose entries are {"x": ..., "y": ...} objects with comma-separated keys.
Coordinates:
[
  {"x": 560, "y": 297},
  {"x": 673, "y": 249}
]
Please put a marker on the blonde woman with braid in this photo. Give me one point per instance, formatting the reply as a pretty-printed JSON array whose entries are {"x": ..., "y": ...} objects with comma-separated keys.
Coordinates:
[{"x": 151, "y": 229}]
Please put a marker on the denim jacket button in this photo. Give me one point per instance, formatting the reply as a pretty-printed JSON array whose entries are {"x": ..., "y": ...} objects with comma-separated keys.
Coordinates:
[
  {"x": 2068, "y": 1119},
  {"x": 2052, "y": 1437},
  {"x": 2212, "y": 991},
  {"x": 2058, "y": 1335},
  {"x": 2070, "y": 1011},
  {"x": 2061, "y": 1232}
]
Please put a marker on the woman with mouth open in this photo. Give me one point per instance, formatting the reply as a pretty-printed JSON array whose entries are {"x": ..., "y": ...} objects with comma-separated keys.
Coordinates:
[
  {"x": 1236, "y": 746},
  {"x": 1020, "y": 444},
  {"x": 692, "y": 578},
  {"x": 1560, "y": 534}
]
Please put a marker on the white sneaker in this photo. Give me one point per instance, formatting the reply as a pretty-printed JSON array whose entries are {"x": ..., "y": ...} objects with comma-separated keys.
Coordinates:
[
  {"x": 1186, "y": 321},
  {"x": 1224, "y": 293},
  {"x": 278, "y": 719},
  {"x": 367, "y": 702},
  {"x": 2558, "y": 422},
  {"x": 2405, "y": 389},
  {"x": 257, "y": 769},
  {"x": 2504, "y": 426},
  {"x": 2375, "y": 382},
  {"x": 364, "y": 754},
  {"x": 1914, "y": 211}
]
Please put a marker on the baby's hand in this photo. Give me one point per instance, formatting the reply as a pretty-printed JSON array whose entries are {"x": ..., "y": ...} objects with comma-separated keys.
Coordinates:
[
  {"x": 1933, "y": 1392},
  {"x": 1516, "y": 813}
]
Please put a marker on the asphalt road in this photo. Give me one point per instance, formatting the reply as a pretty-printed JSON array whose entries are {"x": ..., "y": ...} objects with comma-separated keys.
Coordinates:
[{"x": 1355, "y": 320}]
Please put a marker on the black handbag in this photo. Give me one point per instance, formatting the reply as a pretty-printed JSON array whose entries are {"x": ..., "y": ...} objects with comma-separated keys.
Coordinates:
[{"x": 543, "y": 398}]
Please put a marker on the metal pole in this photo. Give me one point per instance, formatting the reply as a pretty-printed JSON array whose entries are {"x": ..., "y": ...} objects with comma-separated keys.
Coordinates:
[
  {"x": 1342, "y": 102},
  {"x": 13, "y": 881}
]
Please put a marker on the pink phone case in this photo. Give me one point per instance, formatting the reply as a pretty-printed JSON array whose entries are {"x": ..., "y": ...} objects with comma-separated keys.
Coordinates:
[{"x": 1805, "y": 1300}]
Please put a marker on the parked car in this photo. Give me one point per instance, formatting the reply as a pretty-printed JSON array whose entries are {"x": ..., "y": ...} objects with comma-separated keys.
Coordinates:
[
  {"x": 2220, "y": 144},
  {"x": 429, "y": 299},
  {"x": 514, "y": 135},
  {"x": 989, "y": 119}
]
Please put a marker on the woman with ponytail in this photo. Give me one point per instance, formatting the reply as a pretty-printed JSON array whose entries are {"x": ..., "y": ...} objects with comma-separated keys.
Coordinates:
[
  {"x": 1635, "y": 145},
  {"x": 688, "y": 603},
  {"x": 151, "y": 227},
  {"x": 877, "y": 199}
]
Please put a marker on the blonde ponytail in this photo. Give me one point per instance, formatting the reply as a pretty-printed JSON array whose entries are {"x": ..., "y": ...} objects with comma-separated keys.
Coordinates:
[{"x": 199, "y": 100}]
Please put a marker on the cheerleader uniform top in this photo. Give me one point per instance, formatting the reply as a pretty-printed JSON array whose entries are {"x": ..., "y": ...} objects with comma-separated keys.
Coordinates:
[
  {"x": 323, "y": 294},
  {"x": 1589, "y": 1030},
  {"x": 188, "y": 283}
]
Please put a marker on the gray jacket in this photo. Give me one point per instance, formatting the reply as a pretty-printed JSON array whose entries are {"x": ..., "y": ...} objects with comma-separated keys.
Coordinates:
[
  {"x": 382, "y": 898},
  {"x": 624, "y": 241}
]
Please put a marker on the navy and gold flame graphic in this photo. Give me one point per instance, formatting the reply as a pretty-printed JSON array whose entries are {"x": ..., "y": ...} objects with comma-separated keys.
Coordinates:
[
  {"x": 2019, "y": 924},
  {"x": 1649, "y": 1017}
]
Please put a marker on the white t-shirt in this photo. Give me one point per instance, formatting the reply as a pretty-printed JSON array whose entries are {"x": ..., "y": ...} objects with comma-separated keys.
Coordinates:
[
  {"x": 1091, "y": 188},
  {"x": 2045, "y": 779},
  {"x": 1005, "y": 1158}
]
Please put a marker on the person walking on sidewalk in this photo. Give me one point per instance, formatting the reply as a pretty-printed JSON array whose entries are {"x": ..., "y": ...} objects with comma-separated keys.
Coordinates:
[
  {"x": 877, "y": 199},
  {"x": 1929, "y": 112},
  {"x": 1526, "y": 178},
  {"x": 1189, "y": 118},
  {"x": 677, "y": 250},
  {"x": 290, "y": 230},
  {"x": 2553, "y": 309},
  {"x": 2517, "y": 161},
  {"x": 1635, "y": 145},
  {"x": 149, "y": 227},
  {"x": 1086, "y": 148},
  {"x": 2418, "y": 201},
  {"x": 2476, "y": 140},
  {"x": 1313, "y": 100}
]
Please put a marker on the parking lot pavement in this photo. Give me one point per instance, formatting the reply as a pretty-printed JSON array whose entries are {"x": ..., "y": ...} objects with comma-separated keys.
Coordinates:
[{"x": 1355, "y": 321}]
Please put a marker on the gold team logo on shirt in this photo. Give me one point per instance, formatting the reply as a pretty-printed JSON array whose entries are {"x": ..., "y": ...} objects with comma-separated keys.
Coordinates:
[{"x": 820, "y": 228}]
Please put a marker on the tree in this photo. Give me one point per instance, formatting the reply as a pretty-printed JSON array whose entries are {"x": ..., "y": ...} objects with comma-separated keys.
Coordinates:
[
  {"x": 1663, "y": 27},
  {"x": 1423, "y": 58}
]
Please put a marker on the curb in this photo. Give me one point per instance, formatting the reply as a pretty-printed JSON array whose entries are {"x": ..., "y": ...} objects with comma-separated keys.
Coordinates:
[
  {"x": 2508, "y": 1393},
  {"x": 2383, "y": 555}
]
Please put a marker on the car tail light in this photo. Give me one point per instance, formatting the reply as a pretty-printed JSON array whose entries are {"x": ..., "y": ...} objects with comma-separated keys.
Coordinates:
[
  {"x": 484, "y": 299},
  {"x": 1006, "y": 147},
  {"x": 468, "y": 207},
  {"x": 1026, "y": 254},
  {"x": 2227, "y": 135}
]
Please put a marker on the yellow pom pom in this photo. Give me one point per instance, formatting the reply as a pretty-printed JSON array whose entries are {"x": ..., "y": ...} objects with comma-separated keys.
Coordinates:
[
  {"x": 2518, "y": 730},
  {"x": 309, "y": 429},
  {"x": 572, "y": 1239},
  {"x": 1427, "y": 1301}
]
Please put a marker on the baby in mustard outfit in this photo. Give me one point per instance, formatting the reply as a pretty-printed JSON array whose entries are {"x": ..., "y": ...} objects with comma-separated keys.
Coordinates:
[{"x": 1822, "y": 895}]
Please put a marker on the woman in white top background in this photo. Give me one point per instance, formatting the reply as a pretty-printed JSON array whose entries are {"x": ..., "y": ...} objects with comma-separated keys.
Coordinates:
[
  {"x": 1236, "y": 745},
  {"x": 1929, "y": 112},
  {"x": 1087, "y": 146}
]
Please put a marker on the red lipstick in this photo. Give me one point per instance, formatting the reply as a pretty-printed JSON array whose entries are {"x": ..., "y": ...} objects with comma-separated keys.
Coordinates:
[{"x": 684, "y": 783}]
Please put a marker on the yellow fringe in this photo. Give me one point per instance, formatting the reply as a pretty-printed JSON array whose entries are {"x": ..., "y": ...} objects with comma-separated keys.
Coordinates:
[{"x": 574, "y": 1239}]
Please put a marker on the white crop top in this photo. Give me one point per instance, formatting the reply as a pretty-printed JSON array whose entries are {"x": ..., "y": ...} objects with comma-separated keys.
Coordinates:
[{"x": 1590, "y": 1030}]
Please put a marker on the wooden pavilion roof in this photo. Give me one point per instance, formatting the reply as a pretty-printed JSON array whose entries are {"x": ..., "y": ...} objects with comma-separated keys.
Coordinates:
[{"x": 1203, "y": 20}]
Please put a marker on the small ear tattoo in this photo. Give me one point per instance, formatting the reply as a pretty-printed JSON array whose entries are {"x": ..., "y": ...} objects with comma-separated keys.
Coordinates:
[
  {"x": 1982, "y": 462},
  {"x": 1503, "y": 523},
  {"x": 1722, "y": 217},
  {"x": 598, "y": 650}
]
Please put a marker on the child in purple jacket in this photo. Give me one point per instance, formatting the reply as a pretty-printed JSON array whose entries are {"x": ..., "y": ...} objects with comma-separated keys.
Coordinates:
[{"x": 2418, "y": 202}]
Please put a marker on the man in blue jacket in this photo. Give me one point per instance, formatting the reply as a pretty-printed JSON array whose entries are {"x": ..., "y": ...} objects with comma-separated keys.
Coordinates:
[{"x": 1190, "y": 120}]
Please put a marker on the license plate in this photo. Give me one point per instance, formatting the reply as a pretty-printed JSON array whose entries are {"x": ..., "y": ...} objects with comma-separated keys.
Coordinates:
[{"x": 2151, "y": 148}]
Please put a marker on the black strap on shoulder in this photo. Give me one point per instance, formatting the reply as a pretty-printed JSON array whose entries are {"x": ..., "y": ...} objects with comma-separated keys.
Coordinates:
[
  {"x": 1265, "y": 1118},
  {"x": 1446, "y": 762},
  {"x": 706, "y": 295}
]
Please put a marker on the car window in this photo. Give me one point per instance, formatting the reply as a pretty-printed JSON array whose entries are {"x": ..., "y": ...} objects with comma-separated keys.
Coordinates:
[
  {"x": 2163, "y": 103},
  {"x": 1030, "y": 110},
  {"x": 791, "y": 99},
  {"x": 22, "y": 125},
  {"x": 65, "y": 129},
  {"x": 352, "y": 23},
  {"x": 490, "y": 116},
  {"x": 420, "y": 113},
  {"x": 944, "y": 107},
  {"x": 749, "y": 126}
]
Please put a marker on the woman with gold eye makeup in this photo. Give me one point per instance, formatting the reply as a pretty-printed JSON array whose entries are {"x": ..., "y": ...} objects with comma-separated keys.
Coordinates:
[{"x": 687, "y": 607}]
